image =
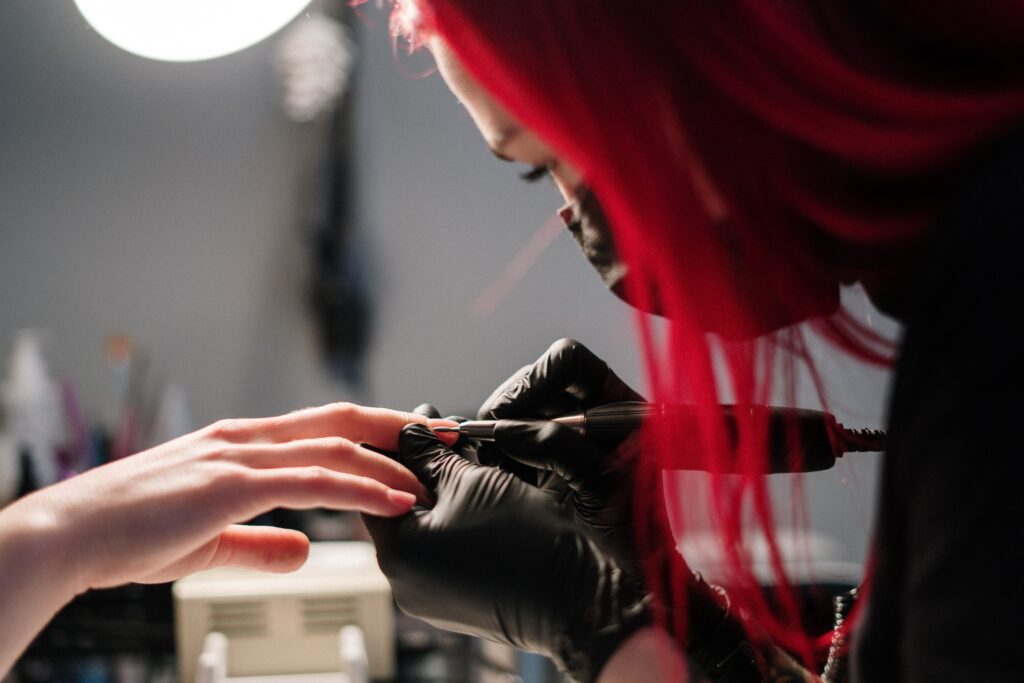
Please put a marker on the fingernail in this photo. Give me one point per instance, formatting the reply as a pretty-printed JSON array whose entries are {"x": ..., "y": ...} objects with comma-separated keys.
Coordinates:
[
  {"x": 447, "y": 438},
  {"x": 401, "y": 499}
]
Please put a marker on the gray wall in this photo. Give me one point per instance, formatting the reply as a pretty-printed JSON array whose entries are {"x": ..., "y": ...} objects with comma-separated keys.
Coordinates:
[{"x": 166, "y": 201}]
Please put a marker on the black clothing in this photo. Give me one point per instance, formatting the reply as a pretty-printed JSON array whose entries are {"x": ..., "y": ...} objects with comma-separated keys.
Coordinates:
[{"x": 948, "y": 562}]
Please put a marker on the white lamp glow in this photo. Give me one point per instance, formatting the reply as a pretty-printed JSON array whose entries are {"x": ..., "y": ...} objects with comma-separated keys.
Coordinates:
[{"x": 187, "y": 30}]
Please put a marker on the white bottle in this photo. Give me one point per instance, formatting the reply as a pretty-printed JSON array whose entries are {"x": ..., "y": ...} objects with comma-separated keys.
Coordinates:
[
  {"x": 10, "y": 469},
  {"x": 173, "y": 416},
  {"x": 32, "y": 406}
]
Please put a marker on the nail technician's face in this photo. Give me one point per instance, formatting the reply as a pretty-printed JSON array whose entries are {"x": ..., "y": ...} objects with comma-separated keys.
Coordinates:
[
  {"x": 506, "y": 137},
  {"x": 510, "y": 141}
]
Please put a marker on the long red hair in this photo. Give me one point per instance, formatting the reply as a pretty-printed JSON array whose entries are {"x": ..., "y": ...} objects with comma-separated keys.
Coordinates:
[{"x": 751, "y": 156}]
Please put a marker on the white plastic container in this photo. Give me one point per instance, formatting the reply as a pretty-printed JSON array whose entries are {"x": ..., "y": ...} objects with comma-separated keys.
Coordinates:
[{"x": 34, "y": 416}]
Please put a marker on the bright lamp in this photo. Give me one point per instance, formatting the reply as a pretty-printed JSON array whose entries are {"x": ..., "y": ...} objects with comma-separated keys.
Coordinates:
[{"x": 187, "y": 30}]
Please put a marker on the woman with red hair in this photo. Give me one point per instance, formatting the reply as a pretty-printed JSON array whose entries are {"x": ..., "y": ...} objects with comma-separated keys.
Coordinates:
[{"x": 730, "y": 165}]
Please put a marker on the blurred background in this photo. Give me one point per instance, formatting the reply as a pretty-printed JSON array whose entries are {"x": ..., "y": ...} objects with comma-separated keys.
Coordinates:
[{"x": 184, "y": 246}]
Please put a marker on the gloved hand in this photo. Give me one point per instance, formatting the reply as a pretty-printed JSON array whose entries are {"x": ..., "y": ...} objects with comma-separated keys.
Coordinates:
[
  {"x": 465, "y": 447},
  {"x": 599, "y": 487},
  {"x": 568, "y": 378},
  {"x": 599, "y": 492},
  {"x": 498, "y": 558},
  {"x": 614, "y": 497}
]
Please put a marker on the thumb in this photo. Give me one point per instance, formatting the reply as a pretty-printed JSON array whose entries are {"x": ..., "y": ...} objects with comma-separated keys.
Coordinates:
[
  {"x": 260, "y": 548},
  {"x": 263, "y": 548},
  {"x": 550, "y": 446},
  {"x": 428, "y": 457}
]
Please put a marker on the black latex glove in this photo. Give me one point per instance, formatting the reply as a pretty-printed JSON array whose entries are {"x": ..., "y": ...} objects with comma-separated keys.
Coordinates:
[
  {"x": 498, "y": 558},
  {"x": 465, "y": 447},
  {"x": 568, "y": 378},
  {"x": 599, "y": 486},
  {"x": 609, "y": 495}
]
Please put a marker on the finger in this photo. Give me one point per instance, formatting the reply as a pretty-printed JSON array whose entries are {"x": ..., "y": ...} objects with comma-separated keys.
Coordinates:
[
  {"x": 447, "y": 438},
  {"x": 427, "y": 410},
  {"x": 568, "y": 373},
  {"x": 516, "y": 398},
  {"x": 310, "y": 487},
  {"x": 550, "y": 446},
  {"x": 430, "y": 460},
  {"x": 266, "y": 549},
  {"x": 336, "y": 453},
  {"x": 497, "y": 396},
  {"x": 434, "y": 419},
  {"x": 378, "y": 427},
  {"x": 570, "y": 367}
]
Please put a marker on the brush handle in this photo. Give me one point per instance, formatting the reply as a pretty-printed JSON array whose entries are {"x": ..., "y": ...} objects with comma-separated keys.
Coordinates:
[
  {"x": 614, "y": 418},
  {"x": 799, "y": 440}
]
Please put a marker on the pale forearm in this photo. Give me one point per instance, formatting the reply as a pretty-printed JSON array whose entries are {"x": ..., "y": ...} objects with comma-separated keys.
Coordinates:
[
  {"x": 652, "y": 655},
  {"x": 649, "y": 655},
  {"x": 35, "y": 578},
  {"x": 175, "y": 509}
]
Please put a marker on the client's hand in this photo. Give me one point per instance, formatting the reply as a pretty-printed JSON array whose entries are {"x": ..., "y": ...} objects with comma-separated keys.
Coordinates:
[
  {"x": 498, "y": 558},
  {"x": 172, "y": 510}
]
